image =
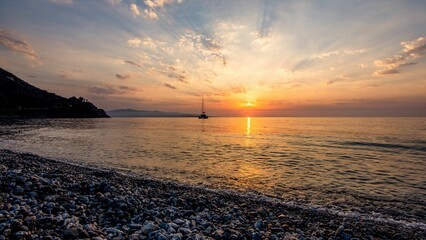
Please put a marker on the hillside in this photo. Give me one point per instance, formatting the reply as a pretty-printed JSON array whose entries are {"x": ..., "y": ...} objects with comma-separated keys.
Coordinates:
[
  {"x": 20, "y": 99},
  {"x": 145, "y": 113}
]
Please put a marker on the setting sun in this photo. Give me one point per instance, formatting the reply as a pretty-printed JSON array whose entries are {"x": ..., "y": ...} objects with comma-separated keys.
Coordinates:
[{"x": 165, "y": 55}]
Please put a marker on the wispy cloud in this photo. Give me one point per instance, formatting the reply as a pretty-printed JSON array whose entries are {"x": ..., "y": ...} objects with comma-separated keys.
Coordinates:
[
  {"x": 134, "y": 42},
  {"x": 111, "y": 90},
  {"x": 340, "y": 53},
  {"x": 149, "y": 13},
  {"x": 239, "y": 89},
  {"x": 168, "y": 85},
  {"x": 135, "y": 9},
  {"x": 210, "y": 47},
  {"x": 153, "y": 6},
  {"x": 122, "y": 77},
  {"x": 150, "y": 8},
  {"x": 144, "y": 42},
  {"x": 19, "y": 46},
  {"x": 132, "y": 63},
  {"x": 415, "y": 48},
  {"x": 387, "y": 71},
  {"x": 411, "y": 50},
  {"x": 62, "y": 1}
]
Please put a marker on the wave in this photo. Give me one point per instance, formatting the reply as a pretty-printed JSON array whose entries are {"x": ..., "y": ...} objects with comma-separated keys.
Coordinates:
[{"x": 386, "y": 145}]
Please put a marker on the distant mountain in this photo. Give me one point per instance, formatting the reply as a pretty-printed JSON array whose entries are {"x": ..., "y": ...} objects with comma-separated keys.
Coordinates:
[
  {"x": 145, "y": 113},
  {"x": 20, "y": 99}
]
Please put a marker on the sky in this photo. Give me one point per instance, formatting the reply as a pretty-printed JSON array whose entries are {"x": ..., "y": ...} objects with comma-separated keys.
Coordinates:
[{"x": 247, "y": 58}]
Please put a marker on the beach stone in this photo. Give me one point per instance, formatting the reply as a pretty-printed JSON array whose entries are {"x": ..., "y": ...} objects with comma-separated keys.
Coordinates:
[
  {"x": 174, "y": 226},
  {"x": 164, "y": 225},
  {"x": 176, "y": 236},
  {"x": 71, "y": 233},
  {"x": 134, "y": 226},
  {"x": 179, "y": 221},
  {"x": 21, "y": 235},
  {"x": 218, "y": 234},
  {"x": 161, "y": 237},
  {"x": 19, "y": 190},
  {"x": 276, "y": 229},
  {"x": 339, "y": 231},
  {"x": 83, "y": 233},
  {"x": 184, "y": 230},
  {"x": 256, "y": 236},
  {"x": 150, "y": 227},
  {"x": 7, "y": 232},
  {"x": 258, "y": 224}
]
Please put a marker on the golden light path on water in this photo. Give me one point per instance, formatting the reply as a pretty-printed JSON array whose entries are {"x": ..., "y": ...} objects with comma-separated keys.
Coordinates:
[{"x": 318, "y": 159}]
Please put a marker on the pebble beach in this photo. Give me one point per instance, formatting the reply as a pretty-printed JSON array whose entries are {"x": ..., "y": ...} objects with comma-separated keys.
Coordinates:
[{"x": 49, "y": 199}]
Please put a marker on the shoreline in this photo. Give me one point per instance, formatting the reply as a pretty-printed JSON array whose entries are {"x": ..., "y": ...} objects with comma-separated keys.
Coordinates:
[{"x": 51, "y": 199}]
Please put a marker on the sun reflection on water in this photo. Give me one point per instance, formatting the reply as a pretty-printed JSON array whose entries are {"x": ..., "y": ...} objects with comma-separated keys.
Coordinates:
[{"x": 248, "y": 128}]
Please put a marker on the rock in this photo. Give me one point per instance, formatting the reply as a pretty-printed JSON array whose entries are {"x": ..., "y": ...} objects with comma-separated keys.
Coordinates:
[
  {"x": 184, "y": 230},
  {"x": 135, "y": 226},
  {"x": 339, "y": 231},
  {"x": 174, "y": 226},
  {"x": 256, "y": 236},
  {"x": 164, "y": 225},
  {"x": 179, "y": 221},
  {"x": 161, "y": 237},
  {"x": 218, "y": 234},
  {"x": 47, "y": 237},
  {"x": 71, "y": 233},
  {"x": 258, "y": 224},
  {"x": 83, "y": 233},
  {"x": 19, "y": 190},
  {"x": 176, "y": 236},
  {"x": 277, "y": 230},
  {"x": 150, "y": 227},
  {"x": 20, "y": 235}
]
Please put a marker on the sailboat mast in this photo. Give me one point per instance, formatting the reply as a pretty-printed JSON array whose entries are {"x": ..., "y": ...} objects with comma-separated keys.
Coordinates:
[{"x": 202, "y": 105}]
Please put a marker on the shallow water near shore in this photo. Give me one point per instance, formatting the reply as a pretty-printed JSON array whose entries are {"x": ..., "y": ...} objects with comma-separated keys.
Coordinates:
[{"x": 367, "y": 165}]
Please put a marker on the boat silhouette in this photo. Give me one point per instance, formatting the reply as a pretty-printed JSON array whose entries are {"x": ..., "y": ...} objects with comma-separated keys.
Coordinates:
[{"x": 203, "y": 114}]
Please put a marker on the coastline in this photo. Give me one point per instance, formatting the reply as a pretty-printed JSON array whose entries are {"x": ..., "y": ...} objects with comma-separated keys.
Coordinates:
[{"x": 50, "y": 199}]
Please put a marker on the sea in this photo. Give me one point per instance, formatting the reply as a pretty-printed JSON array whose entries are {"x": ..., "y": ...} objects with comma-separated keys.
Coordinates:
[{"x": 374, "y": 167}]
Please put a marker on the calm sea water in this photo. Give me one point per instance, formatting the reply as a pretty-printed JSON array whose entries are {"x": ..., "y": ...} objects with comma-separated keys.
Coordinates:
[{"x": 367, "y": 165}]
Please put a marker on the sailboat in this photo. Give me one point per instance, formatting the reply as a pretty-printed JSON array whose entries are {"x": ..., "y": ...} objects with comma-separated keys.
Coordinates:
[{"x": 203, "y": 114}]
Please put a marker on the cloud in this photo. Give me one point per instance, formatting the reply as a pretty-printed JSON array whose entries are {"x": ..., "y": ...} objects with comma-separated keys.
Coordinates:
[
  {"x": 115, "y": 2},
  {"x": 183, "y": 79},
  {"x": 111, "y": 90},
  {"x": 239, "y": 89},
  {"x": 208, "y": 46},
  {"x": 411, "y": 50},
  {"x": 134, "y": 9},
  {"x": 19, "y": 46},
  {"x": 132, "y": 63},
  {"x": 122, "y": 77},
  {"x": 180, "y": 78},
  {"x": 267, "y": 19},
  {"x": 169, "y": 86},
  {"x": 134, "y": 42},
  {"x": 62, "y": 1},
  {"x": 153, "y": 6},
  {"x": 415, "y": 48},
  {"x": 340, "y": 53},
  {"x": 147, "y": 42},
  {"x": 150, "y": 14},
  {"x": 386, "y": 72}
]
